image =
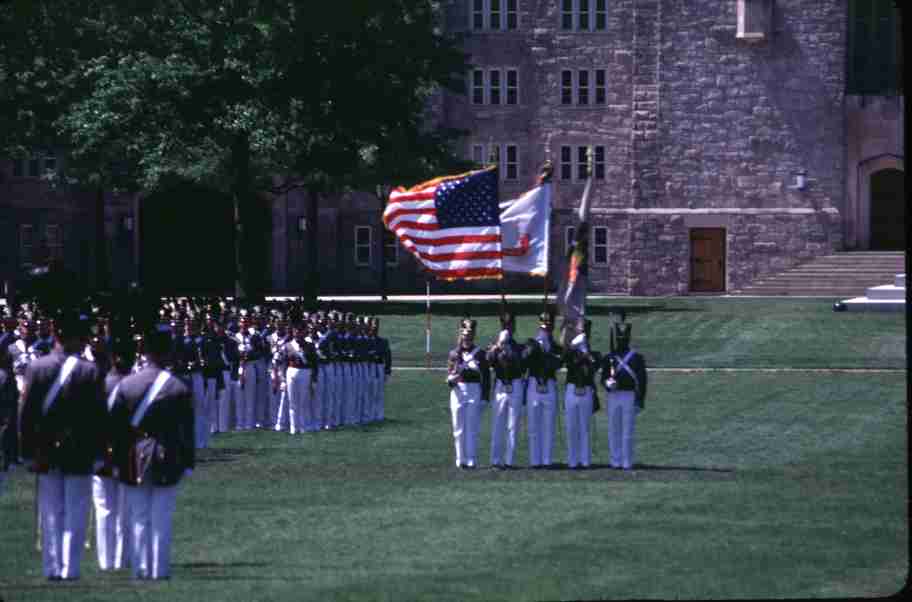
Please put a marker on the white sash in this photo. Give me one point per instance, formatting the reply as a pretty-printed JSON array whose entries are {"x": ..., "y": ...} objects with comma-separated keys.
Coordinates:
[
  {"x": 113, "y": 396},
  {"x": 147, "y": 401},
  {"x": 622, "y": 364},
  {"x": 62, "y": 378}
]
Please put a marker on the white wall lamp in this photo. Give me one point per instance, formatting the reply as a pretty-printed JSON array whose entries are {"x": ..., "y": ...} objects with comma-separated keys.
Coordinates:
[
  {"x": 128, "y": 223},
  {"x": 800, "y": 180},
  {"x": 302, "y": 225}
]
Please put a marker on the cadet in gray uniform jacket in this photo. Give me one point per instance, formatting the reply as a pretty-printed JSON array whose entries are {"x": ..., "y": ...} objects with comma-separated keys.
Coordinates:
[
  {"x": 63, "y": 443},
  {"x": 152, "y": 415}
]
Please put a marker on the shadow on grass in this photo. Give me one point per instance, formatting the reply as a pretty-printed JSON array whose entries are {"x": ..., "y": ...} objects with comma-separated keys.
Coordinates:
[
  {"x": 191, "y": 566},
  {"x": 224, "y": 454},
  {"x": 602, "y": 472},
  {"x": 492, "y": 308}
]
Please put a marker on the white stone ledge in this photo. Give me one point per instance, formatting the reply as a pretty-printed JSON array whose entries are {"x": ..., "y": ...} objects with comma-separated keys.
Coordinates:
[{"x": 714, "y": 211}]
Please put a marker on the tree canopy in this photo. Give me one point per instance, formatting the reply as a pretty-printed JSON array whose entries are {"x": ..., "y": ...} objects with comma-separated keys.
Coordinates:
[{"x": 243, "y": 96}]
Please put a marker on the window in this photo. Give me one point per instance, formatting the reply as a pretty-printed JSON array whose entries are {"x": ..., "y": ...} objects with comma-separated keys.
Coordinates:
[
  {"x": 363, "y": 245},
  {"x": 478, "y": 87},
  {"x": 578, "y": 15},
  {"x": 34, "y": 167},
  {"x": 754, "y": 19},
  {"x": 566, "y": 87},
  {"x": 17, "y": 168},
  {"x": 505, "y": 155},
  {"x": 511, "y": 165},
  {"x": 600, "y": 89},
  {"x": 571, "y": 162},
  {"x": 569, "y": 235},
  {"x": 26, "y": 243},
  {"x": 579, "y": 85},
  {"x": 494, "y": 88},
  {"x": 566, "y": 164},
  {"x": 478, "y": 14},
  {"x": 50, "y": 163},
  {"x": 391, "y": 248},
  {"x": 490, "y": 90},
  {"x": 54, "y": 241},
  {"x": 512, "y": 87},
  {"x": 494, "y": 15},
  {"x": 600, "y": 245},
  {"x": 875, "y": 49}
]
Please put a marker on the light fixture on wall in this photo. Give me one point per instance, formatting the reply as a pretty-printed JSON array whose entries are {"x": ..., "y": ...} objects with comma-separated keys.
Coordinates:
[
  {"x": 800, "y": 180},
  {"x": 128, "y": 223},
  {"x": 302, "y": 225}
]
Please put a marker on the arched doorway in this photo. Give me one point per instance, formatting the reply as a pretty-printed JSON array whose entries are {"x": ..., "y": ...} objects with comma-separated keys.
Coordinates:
[{"x": 888, "y": 210}]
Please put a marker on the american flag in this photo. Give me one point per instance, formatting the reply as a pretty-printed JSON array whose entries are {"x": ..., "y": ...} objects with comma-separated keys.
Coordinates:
[{"x": 451, "y": 224}]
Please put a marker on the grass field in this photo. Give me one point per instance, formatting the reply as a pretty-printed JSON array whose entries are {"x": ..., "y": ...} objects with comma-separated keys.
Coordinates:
[{"x": 748, "y": 484}]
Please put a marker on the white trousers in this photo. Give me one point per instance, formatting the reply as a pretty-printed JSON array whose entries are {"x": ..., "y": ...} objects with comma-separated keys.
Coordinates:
[
  {"x": 247, "y": 397},
  {"x": 506, "y": 417},
  {"x": 540, "y": 412},
  {"x": 578, "y": 411},
  {"x": 232, "y": 398},
  {"x": 381, "y": 392},
  {"x": 110, "y": 506},
  {"x": 218, "y": 402},
  {"x": 301, "y": 411},
  {"x": 621, "y": 427},
  {"x": 151, "y": 510},
  {"x": 263, "y": 396},
  {"x": 349, "y": 399},
  {"x": 63, "y": 508},
  {"x": 200, "y": 409},
  {"x": 323, "y": 394},
  {"x": 465, "y": 399}
]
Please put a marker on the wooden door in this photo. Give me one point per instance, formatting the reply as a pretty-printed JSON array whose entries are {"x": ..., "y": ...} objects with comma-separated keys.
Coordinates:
[{"x": 707, "y": 260}]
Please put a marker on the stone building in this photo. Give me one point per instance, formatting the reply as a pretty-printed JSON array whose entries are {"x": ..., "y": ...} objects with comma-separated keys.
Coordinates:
[{"x": 732, "y": 139}]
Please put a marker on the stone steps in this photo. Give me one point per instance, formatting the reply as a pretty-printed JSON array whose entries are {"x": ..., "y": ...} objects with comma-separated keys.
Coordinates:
[{"x": 845, "y": 274}]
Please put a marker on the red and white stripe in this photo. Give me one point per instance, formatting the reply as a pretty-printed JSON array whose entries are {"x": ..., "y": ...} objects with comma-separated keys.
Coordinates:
[{"x": 449, "y": 253}]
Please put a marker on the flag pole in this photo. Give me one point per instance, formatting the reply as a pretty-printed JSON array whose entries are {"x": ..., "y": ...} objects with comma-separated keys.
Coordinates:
[
  {"x": 427, "y": 330},
  {"x": 494, "y": 159},
  {"x": 545, "y": 178}
]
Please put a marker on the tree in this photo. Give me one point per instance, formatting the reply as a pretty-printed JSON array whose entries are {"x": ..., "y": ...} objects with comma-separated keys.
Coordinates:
[{"x": 229, "y": 94}]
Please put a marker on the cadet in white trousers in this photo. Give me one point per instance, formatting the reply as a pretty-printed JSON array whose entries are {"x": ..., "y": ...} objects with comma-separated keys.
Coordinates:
[
  {"x": 506, "y": 358},
  {"x": 579, "y": 399},
  {"x": 160, "y": 406},
  {"x": 625, "y": 378},
  {"x": 543, "y": 358},
  {"x": 248, "y": 374},
  {"x": 467, "y": 377},
  {"x": 62, "y": 396}
]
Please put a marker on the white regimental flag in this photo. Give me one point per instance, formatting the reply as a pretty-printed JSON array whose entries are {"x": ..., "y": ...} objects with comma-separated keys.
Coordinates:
[{"x": 525, "y": 231}]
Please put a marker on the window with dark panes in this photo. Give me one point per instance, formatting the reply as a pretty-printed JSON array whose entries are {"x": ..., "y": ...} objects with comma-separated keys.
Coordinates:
[
  {"x": 875, "y": 47},
  {"x": 581, "y": 162},
  {"x": 26, "y": 243},
  {"x": 478, "y": 94},
  {"x": 582, "y": 90},
  {"x": 511, "y": 165},
  {"x": 495, "y": 14},
  {"x": 478, "y": 154},
  {"x": 584, "y": 14},
  {"x": 54, "y": 240},
  {"x": 567, "y": 14},
  {"x": 391, "y": 248},
  {"x": 599, "y": 160},
  {"x": 600, "y": 86},
  {"x": 566, "y": 87},
  {"x": 362, "y": 245},
  {"x": 566, "y": 163},
  {"x": 512, "y": 15},
  {"x": 494, "y": 90},
  {"x": 478, "y": 14},
  {"x": 512, "y": 87},
  {"x": 34, "y": 167},
  {"x": 601, "y": 15},
  {"x": 600, "y": 245},
  {"x": 18, "y": 170}
]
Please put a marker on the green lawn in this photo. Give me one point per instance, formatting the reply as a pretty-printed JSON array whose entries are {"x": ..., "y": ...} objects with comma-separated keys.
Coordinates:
[
  {"x": 751, "y": 485},
  {"x": 679, "y": 332}
]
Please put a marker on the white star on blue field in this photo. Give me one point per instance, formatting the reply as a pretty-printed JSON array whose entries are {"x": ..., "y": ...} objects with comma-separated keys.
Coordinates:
[{"x": 469, "y": 201}]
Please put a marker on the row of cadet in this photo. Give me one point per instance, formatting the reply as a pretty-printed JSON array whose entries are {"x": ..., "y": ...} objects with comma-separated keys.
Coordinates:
[
  {"x": 283, "y": 369},
  {"x": 525, "y": 384}
]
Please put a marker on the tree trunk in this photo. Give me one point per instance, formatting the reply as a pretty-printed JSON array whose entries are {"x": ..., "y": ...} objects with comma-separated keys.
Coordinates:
[
  {"x": 102, "y": 280},
  {"x": 240, "y": 159},
  {"x": 313, "y": 259}
]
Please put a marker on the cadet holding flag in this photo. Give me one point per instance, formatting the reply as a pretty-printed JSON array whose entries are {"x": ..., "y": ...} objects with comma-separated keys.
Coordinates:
[
  {"x": 543, "y": 358},
  {"x": 505, "y": 356}
]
